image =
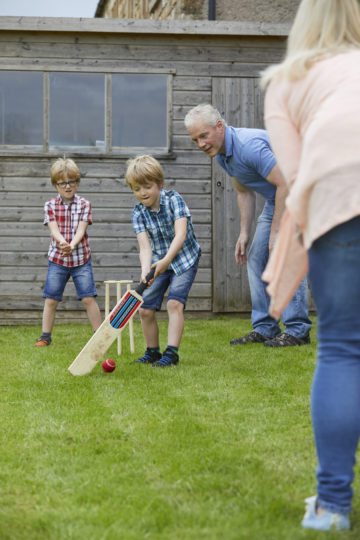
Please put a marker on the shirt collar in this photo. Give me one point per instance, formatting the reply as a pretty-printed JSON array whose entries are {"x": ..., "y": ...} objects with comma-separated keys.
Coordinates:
[
  {"x": 228, "y": 142},
  {"x": 59, "y": 198},
  {"x": 161, "y": 203}
]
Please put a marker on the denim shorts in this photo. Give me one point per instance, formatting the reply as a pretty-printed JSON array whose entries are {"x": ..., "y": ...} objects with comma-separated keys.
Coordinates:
[
  {"x": 58, "y": 276},
  {"x": 179, "y": 288}
]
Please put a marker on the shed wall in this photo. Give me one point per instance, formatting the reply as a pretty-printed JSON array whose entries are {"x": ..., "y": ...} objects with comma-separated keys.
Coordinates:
[{"x": 24, "y": 178}]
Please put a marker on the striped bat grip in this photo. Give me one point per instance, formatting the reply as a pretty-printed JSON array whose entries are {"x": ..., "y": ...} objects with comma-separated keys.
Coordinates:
[{"x": 141, "y": 288}]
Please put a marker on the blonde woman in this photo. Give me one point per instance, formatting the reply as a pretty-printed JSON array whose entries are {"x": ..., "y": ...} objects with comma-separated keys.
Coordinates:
[{"x": 312, "y": 114}]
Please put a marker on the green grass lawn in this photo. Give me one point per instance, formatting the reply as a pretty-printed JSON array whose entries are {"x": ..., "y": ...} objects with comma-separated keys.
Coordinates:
[{"x": 219, "y": 447}]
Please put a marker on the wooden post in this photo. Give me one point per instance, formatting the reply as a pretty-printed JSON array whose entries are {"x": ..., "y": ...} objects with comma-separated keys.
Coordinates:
[{"x": 118, "y": 284}]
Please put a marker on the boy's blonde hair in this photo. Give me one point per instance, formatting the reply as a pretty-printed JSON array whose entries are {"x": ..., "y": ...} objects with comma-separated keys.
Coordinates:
[
  {"x": 64, "y": 169},
  {"x": 142, "y": 170},
  {"x": 321, "y": 29}
]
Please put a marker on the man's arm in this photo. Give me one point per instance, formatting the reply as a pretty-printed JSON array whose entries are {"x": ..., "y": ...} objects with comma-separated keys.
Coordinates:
[
  {"x": 175, "y": 246},
  {"x": 246, "y": 203},
  {"x": 276, "y": 178}
]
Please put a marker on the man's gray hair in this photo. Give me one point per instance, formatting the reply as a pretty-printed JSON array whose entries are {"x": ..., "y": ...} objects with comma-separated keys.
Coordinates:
[{"x": 205, "y": 112}]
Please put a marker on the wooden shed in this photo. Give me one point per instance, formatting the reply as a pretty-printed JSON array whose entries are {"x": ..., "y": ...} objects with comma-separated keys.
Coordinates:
[{"x": 100, "y": 91}]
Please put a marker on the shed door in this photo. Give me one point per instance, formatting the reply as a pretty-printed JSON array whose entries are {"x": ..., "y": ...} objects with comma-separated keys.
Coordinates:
[{"x": 240, "y": 101}]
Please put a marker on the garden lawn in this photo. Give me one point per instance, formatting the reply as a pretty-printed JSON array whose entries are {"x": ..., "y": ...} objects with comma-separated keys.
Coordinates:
[{"x": 219, "y": 447}]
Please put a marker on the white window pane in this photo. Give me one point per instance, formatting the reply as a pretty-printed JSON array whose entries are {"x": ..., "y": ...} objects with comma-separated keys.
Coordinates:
[
  {"x": 77, "y": 109},
  {"x": 21, "y": 108},
  {"x": 139, "y": 110}
]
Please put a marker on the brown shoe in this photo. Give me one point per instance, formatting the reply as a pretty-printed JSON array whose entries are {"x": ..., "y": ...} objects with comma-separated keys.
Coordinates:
[
  {"x": 253, "y": 337},
  {"x": 41, "y": 342}
]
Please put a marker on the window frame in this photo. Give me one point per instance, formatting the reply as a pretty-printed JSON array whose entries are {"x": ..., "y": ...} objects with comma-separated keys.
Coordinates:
[{"x": 91, "y": 151}]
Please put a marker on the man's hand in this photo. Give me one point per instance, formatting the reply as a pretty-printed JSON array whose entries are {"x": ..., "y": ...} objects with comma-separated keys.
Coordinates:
[{"x": 241, "y": 249}]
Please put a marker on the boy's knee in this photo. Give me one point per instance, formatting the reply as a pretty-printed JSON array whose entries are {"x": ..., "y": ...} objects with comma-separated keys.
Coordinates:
[
  {"x": 51, "y": 303},
  {"x": 175, "y": 306},
  {"x": 88, "y": 300},
  {"x": 146, "y": 314}
]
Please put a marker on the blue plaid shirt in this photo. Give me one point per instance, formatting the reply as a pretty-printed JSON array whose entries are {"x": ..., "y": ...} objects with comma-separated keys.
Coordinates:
[{"x": 160, "y": 226}]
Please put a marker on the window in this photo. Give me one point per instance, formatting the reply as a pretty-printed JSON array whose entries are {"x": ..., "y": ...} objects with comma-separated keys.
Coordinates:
[
  {"x": 21, "y": 109},
  {"x": 84, "y": 112},
  {"x": 77, "y": 110},
  {"x": 139, "y": 117}
]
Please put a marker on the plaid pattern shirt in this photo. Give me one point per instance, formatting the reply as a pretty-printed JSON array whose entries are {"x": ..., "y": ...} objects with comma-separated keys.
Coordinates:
[
  {"x": 160, "y": 226},
  {"x": 68, "y": 217}
]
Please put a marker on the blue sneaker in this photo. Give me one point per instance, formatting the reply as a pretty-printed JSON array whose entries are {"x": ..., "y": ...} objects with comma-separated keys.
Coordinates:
[
  {"x": 326, "y": 522},
  {"x": 169, "y": 358},
  {"x": 149, "y": 357}
]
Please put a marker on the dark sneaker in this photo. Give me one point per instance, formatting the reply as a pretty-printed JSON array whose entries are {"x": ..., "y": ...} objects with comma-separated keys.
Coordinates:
[
  {"x": 42, "y": 342},
  {"x": 169, "y": 358},
  {"x": 149, "y": 357},
  {"x": 286, "y": 340},
  {"x": 253, "y": 337}
]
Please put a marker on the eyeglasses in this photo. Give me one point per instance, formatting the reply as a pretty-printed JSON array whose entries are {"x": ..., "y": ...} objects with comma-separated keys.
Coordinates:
[{"x": 71, "y": 183}]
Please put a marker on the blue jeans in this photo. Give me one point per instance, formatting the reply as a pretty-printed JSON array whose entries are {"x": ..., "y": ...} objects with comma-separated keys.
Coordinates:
[
  {"x": 295, "y": 316},
  {"x": 179, "y": 287},
  {"x": 58, "y": 276},
  {"x": 335, "y": 398}
]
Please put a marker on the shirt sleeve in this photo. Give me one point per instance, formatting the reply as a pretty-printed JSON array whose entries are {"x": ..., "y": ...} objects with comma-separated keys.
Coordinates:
[
  {"x": 259, "y": 155},
  {"x": 86, "y": 212},
  {"x": 137, "y": 222},
  {"x": 179, "y": 206},
  {"x": 284, "y": 136},
  {"x": 49, "y": 214}
]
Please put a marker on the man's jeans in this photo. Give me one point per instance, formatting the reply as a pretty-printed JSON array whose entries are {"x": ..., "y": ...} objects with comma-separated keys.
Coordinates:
[
  {"x": 295, "y": 316},
  {"x": 335, "y": 401}
]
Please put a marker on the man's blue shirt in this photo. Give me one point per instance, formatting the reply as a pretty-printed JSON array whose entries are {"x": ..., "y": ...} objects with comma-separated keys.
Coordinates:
[
  {"x": 160, "y": 227},
  {"x": 249, "y": 158}
]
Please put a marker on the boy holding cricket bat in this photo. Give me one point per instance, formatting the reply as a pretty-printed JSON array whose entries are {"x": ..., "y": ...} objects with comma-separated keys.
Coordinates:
[
  {"x": 67, "y": 217},
  {"x": 162, "y": 223}
]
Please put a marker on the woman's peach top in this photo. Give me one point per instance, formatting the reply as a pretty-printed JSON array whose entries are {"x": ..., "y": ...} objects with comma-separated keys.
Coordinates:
[{"x": 314, "y": 129}]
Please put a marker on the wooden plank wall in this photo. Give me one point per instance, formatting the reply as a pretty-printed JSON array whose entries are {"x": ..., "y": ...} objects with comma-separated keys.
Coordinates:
[{"x": 25, "y": 183}]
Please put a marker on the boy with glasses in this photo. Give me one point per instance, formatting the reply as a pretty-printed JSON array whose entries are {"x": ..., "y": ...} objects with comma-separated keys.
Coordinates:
[{"x": 67, "y": 217}]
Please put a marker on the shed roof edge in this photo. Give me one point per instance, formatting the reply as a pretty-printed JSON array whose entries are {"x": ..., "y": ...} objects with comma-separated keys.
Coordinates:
[{"x": 143, "y": 26}]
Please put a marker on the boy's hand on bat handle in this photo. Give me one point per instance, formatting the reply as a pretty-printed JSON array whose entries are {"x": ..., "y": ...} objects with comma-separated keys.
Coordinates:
[
  {"x": 150, "y": 277},
  {"x": 144, "y": 284}
]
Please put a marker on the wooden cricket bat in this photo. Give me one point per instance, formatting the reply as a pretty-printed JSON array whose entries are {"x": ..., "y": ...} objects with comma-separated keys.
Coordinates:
[{"x": 112, "y": 326}]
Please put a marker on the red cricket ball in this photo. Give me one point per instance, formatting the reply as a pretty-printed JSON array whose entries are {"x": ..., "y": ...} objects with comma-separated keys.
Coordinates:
[{"x": 108, "y": 365}]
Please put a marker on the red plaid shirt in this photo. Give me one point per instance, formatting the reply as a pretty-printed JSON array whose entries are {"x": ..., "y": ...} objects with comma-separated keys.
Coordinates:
[{"x": 68, "y": 217}]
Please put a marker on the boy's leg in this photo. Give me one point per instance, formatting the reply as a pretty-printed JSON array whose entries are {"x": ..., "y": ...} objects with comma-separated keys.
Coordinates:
[
  {"x": 176, "y": 322},
  {"x": 152, "y": 297},
  {"x": 56, "y": 280},
  {"x": 179, "y": 291},
  {"x": 49, "y": 314},
  {"x": 150, "y": 327},
  {"x": 93, "y": 311},
  {"x": 86, "y": 291}
]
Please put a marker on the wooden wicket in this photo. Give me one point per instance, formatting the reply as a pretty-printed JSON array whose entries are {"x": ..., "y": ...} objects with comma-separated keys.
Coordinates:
[{"x": 119, "y": 284}]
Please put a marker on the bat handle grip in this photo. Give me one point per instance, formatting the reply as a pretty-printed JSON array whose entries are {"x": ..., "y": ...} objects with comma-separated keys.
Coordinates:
[{"x": 141, "y": 288}]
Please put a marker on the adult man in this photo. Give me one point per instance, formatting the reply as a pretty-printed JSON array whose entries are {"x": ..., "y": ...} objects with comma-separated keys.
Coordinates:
[{"x": 246, "y": 156}]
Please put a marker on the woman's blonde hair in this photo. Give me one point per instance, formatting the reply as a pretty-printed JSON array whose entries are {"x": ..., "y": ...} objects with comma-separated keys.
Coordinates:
[
  {"x": 142, "y": 170},
  {"x": 64, "y": 169},
  {"x": 322, "y": 28}
]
